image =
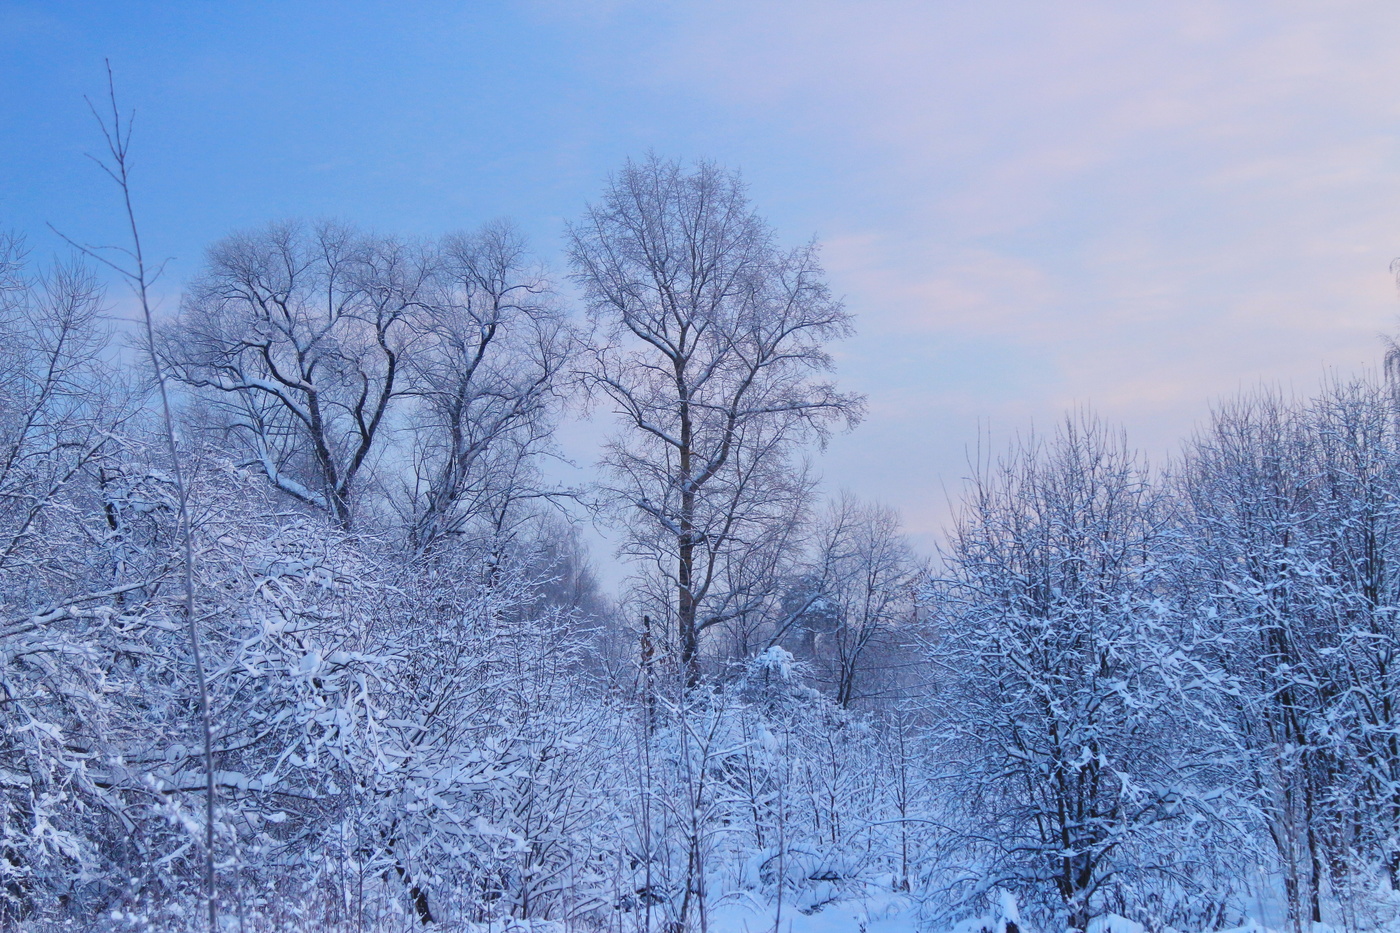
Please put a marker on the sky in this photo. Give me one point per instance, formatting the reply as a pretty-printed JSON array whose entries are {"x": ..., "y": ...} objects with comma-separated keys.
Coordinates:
[{"x": 1031, "y": 208}]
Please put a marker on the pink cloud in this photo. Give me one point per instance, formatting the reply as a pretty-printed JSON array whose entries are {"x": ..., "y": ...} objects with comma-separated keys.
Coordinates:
[{"x": 1137, "y": 207}]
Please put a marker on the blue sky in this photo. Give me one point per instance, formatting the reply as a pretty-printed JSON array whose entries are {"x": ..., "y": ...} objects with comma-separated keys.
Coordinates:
[{"x": 1028, "y": 206}]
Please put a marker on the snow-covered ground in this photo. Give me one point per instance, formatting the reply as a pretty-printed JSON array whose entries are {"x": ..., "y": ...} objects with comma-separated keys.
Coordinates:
[{"x": 869, "y": 915}]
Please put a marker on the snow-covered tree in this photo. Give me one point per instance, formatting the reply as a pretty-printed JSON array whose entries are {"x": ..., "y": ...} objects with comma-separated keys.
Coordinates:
[
  {"x": 1055, "y": 696},
  {"x": 68, "y": 583}
]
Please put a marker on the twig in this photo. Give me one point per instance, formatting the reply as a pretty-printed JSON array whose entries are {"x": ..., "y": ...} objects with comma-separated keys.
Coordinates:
[{"x": 140, "y": 278}]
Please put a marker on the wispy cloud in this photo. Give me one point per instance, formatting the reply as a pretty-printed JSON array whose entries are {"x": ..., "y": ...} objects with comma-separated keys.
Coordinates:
[{"x": 1137, "y": 207}]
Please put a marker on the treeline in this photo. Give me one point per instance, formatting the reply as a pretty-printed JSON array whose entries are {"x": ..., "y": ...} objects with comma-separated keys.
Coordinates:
[{"x": 1169, "y": 696}]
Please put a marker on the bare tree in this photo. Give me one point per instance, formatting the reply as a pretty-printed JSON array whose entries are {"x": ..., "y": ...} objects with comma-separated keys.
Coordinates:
[
  {"x": 1356, "y": 454},
  {"x": 709, "y": 344},
  {"x": 1289, "y": 557},
  {"x": 298, "y": 337},
  {"x": 1248, "y": 497},
  {"x": 325, "y": 353},
  {"x": 57, "y": 404}
]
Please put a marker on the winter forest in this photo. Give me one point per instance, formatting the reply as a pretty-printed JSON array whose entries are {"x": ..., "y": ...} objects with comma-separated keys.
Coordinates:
[{"x": 301, "y": 632}]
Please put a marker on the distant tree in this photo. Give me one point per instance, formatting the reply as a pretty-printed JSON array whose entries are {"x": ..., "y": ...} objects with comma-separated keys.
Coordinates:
[
  {"x": 864, "y": 583},
  {"x": 708, "y": 342}
]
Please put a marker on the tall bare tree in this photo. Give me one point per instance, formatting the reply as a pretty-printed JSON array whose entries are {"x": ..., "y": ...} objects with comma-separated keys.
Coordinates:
[{"x": 709, "y": 344}]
